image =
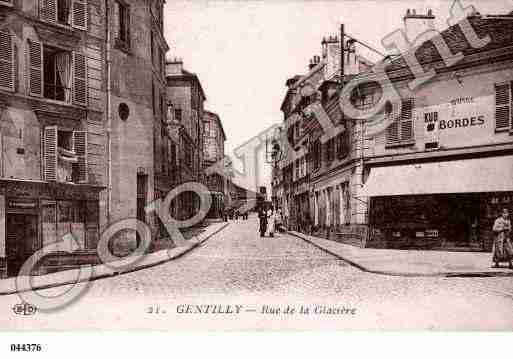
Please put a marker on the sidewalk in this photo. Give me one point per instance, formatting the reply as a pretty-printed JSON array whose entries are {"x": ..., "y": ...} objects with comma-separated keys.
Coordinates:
[
  {"x": 8, "y": 286},
  {"x": 411, "y": 263}
]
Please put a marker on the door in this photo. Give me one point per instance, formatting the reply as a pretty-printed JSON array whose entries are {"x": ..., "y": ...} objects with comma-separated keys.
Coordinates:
[
  {"x": 21, "y": 240},
  {"x": 142, "y": 184}
]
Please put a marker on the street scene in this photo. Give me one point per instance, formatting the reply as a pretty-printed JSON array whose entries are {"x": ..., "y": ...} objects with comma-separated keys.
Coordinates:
[
  {"x": 256, "y": 165},
  {"x": 238, "y": 267}
]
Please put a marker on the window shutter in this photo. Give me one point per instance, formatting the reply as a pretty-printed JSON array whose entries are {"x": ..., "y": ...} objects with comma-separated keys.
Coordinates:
[
  {"x": 50, "y": 153},
  {"x": 6, "y": 61},
  {"x": 80, "y": 147},
  {"x": 392, "y": 131},
  {"x": 79, "y": 79},
  {"x": 503, "y": 103},
  {"x": 36, "y": 68},
  {"x": 79, "y": 14},
  {"x": 48, "y": 10},
  {"x": 407, "y": 107}
]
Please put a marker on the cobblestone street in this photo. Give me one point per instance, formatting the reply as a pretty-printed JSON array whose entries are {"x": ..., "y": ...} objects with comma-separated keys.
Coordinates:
[{"x": 237, "y": 267}]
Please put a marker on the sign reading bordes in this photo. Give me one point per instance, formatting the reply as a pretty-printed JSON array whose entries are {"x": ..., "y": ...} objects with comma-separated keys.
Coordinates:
[{"x": 461, "y": 118}]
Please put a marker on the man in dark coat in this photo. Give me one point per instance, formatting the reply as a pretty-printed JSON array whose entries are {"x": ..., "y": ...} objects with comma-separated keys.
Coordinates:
[{"x": 262, "y": 216}]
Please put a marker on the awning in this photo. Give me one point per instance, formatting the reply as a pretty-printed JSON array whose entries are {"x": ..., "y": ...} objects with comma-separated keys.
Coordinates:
[{"x": 491, "y": 174}]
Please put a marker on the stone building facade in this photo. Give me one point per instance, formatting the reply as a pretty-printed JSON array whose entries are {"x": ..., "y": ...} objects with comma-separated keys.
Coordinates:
[
  {"x": 442, "y": 171},
  {"x": 82, "y": 97},
  {"x": 185, "y": 100},
  {"x": 53, "y": 140},
  {"x": 213, "y": 152}
]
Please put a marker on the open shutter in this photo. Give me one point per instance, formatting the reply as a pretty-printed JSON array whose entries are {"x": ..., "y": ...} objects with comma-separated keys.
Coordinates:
[
  {"x": 79, "y": 14},
  {"x": 35, "y": 50},
  {"x": 50, "y": 153},
  {"x": 6, "y": 61},
  {"x": 79, "y": 79},
  {"x": 503, "y": 102},
  {"x": 392, "y": 131},
  {"x": 406, "y": 129},
  {"x": 48, "y": 10},
  {"x": 80, "y": 147}
]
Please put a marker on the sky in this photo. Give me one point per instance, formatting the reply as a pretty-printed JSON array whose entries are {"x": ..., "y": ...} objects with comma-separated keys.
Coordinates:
[{"x": 244, "y": 51}]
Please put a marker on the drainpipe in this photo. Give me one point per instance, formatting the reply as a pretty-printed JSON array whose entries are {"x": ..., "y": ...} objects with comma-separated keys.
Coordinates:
[{"x": 108, "y": 112}]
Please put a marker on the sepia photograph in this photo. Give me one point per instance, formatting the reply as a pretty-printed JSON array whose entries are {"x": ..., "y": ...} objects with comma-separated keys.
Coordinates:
[{"x": 288, "y": 165}]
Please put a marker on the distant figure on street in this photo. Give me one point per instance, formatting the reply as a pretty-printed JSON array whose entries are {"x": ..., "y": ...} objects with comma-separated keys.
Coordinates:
[
  {"x": 262, "y": 216},
  {"x": 271, "y": 221},
  {"x": 502, "y": 248},
  {"x": 225, "y": 215}
]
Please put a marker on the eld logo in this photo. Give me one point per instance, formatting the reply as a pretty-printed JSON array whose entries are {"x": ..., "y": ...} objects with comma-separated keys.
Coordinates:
[{"x": 24, "y": 309}]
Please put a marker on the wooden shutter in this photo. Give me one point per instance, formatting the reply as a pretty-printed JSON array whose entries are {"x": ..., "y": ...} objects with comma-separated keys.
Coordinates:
[
  {"x": 79, "y": 14},
  {"x": 35, "y": 50},
  {"x": 48, "y": 10},
  {"x": 6, "y": 61},
  {"x": 79, "y": 79},
  {"x": 50, "y": 153},
  {"x": 503, "y": 102},
  {"x": 80, "y": 147},
  {"x": 406, "y": 130}
]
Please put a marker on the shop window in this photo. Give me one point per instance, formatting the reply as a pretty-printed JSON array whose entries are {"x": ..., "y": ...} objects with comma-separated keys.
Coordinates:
[
  {"x": 121, "y": 21},
  {"x": 503, "y": 106},
  {"x": 64, "y": 12},
  {"x": 7, "y": 61},
  {"x": 65, "y": 155},
  {"x": 400, "y": 131}
]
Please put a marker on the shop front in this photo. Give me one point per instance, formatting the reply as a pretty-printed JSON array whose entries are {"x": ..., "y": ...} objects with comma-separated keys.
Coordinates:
[
  {"x": 35, "y": 214},
  {"x": 448, "y": 205}
]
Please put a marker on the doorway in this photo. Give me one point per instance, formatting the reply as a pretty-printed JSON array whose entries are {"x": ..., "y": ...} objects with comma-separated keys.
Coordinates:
[{"x": 21, "y": 240}]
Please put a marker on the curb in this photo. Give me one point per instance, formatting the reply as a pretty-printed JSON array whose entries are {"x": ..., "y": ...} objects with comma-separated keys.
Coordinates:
[
  {"x": 114, "y": 273},
  {"x": 404, "y": 274}
]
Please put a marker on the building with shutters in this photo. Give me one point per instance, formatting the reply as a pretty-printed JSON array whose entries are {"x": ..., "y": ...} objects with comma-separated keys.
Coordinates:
[
  {"x": 82, "y": 102},
  {"x": 213, "y": 153},
  {"x": 185, "y": 99},
  {"x": 52, "y": 158},
  {"x": 319, "y": 177},
  {"x": 443, "y": 170}
]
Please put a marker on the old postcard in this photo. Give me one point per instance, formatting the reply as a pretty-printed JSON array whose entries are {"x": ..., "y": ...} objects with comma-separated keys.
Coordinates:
[{"x": 256, "y": 165}]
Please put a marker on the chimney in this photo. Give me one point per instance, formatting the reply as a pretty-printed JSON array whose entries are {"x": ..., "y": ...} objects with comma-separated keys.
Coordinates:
[
  {"x": 174, "y": 66},
  {"x": 331, "y": 56},
  {"x": 416, "y": 24}
]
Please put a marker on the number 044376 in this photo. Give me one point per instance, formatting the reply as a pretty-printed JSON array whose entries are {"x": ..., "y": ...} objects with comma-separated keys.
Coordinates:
[{"x": 26, "y": 347}]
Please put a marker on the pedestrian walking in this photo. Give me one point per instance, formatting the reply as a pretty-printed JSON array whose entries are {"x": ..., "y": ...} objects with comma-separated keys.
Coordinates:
[
  {"x": 502, "y": 249},
  {"x": 271, "y": 221},
  {"x": 262, "y": 216}
]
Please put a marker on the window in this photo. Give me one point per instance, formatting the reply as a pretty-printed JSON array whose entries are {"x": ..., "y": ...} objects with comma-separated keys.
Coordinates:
[
  {"x": 316, "y": 154},
  {"x": 7, "y": 61},
  {"x": 400, "y": 130},
  {"x": 65, "y": 155},
  {"x": 188, "y": 154},
  {"x": 178, "y": 114},
  {"x": 503, "y": 106},
  {"x": 57, "y": 74},
  {"x": 64, "y": 12},
  {"x": 330, "y": 150},
  {"x": 6, "y": 2},
  {"x": 121, "y": 21},
  {"x": 342, "y": 144}
]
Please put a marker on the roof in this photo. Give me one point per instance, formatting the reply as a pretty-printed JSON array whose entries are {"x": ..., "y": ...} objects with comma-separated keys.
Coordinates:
[{"x": 499, "y": 28}]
